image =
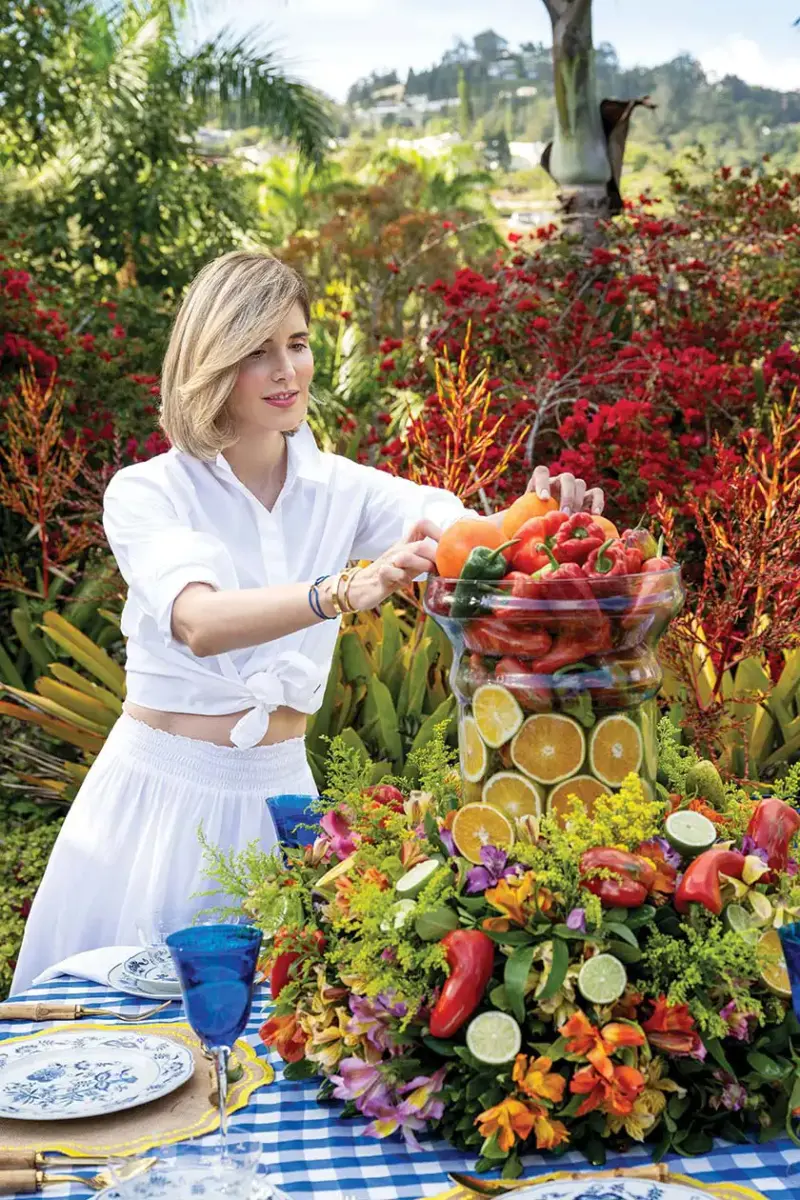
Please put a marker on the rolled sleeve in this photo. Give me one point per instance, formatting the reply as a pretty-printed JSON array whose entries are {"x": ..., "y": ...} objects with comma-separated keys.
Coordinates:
[
  {"x": 159, "y": 555},
  {"x": 392, "y": 506}
]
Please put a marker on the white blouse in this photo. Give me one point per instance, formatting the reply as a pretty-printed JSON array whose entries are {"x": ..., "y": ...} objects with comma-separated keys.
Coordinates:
[{"x": 175, "y": 520}]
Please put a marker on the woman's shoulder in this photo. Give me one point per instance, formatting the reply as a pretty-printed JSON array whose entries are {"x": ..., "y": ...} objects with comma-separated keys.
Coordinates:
[{"x": 155, "y": 475}]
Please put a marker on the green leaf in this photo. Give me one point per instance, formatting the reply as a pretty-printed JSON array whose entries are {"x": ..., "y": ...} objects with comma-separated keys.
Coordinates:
[
  {"x": 518, "y": 966},
  {"x": 621, "y": 931},
  {"x": 640, "y": 916},
  {"x": 439, "y": 1046},
  {"x": 391, "y": 641},
  {"x": 355, "y": 662},
  {"x": 445, "y": 711},
  {"x": 304, "y": 1069},
  {"x": 417, "y": 682},
  {"x": 714, "y": 1047},
  {"x": 511, "y": 937},
  {"x": 768, "y": 1068},
  {"x": 558, "y": 970},
  {"x": 386, "y": 718}
]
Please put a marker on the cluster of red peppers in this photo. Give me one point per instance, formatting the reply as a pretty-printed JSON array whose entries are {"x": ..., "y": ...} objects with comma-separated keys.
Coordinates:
[{"x": 543, "y": 544}]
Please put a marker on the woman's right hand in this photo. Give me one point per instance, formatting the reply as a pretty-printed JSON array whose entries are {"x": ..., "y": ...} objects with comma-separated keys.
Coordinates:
[{"x": 398, "y": 567}]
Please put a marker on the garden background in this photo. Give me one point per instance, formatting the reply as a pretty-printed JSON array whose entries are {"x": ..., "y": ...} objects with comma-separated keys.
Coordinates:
[{"x": 462, "y": 332}]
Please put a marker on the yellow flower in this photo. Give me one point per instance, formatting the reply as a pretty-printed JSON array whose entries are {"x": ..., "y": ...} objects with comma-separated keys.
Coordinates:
[
  {"x": 649, "y": 1104},
  {"x": 511, "y": 1119},
  {"x": 535, "y": 1078},
  {"x": 327, "y": 1039},
  {"x": 511, "y": 897}
]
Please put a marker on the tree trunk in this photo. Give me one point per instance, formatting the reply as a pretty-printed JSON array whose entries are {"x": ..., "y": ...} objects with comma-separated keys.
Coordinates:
[{"x": 579, "y": 160}]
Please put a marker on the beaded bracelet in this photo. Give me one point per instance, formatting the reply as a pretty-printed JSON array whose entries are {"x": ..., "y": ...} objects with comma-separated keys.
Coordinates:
[{"x": 314, "y": 600}]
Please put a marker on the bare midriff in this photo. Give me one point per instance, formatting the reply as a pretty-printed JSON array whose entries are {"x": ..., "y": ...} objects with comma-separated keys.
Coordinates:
[{"x": 284, "y": 723}]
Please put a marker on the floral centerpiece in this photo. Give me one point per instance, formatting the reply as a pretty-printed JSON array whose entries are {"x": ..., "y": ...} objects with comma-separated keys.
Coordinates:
[{"x": 576, "y": 981}]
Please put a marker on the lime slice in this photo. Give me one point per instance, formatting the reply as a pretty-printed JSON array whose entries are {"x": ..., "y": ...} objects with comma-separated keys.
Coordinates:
[
  {"x": 432, "y": 926},
  {"x": 411, "y": 884},
  {"x": 602, "y": 979},
  {"x": 689, "y": 832},
  {"x": 494, "y": 1038},
  {"x": 737, "y": 918},
  {"x": 762, "y": 908},
  {"x": 400, "y": 912}
]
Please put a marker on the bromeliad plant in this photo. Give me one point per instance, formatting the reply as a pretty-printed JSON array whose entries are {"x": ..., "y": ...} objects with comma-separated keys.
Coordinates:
[{"x": 572, "y": 982}]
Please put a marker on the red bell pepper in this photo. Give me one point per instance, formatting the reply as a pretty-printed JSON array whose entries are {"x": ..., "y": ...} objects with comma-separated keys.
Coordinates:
[
  {"x": 633, "y": 876},
  {"x": 577, "y": 538},
  {"x": 470, "y": 957},
  {"x": 772, "y": 827},
  {"x": 641, "y": 540},
  {"x": 535, "y": 537},
  {"x": 701, "y": 884},
  {"x": 492, "y": 635},
  {"x": 515, "y": 676},
  {"x": 613, "y": 558},
  {"x": 580, "y": 633}
]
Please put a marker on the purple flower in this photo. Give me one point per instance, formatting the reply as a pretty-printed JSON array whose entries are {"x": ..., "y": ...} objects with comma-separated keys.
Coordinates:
[
  {"x": 494, "y": 869},
  {"x": 389, "y": 954},
  {"x": 732, "y": 1097},
  {"x": 738, "y": 1022},
  {"x": 670, "y": 855},
  {"x": 577, "y": 920},
  {"x": 447, "y": 841},
  {"x": 419, "y": 1104},
  {"x": 363, "y": 1083},
  {"x": 749, "y": 847},
  {"x": 792, "y": 867},
  {"x": 371, "y": 1019}
]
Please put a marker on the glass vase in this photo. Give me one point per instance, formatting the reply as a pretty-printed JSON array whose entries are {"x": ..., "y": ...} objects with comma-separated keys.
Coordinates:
[{"x": 556, "y": 683}]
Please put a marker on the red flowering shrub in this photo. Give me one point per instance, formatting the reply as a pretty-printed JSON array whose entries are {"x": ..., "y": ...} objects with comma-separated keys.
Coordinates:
[{"x": 627, "y": 360}]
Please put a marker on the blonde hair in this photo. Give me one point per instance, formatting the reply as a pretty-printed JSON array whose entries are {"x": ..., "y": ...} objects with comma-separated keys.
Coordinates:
[{"x": 232, "y": 307}]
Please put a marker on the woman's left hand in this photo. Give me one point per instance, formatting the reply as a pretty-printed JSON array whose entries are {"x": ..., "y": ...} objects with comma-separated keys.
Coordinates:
[{"x": 571, "y": 494}]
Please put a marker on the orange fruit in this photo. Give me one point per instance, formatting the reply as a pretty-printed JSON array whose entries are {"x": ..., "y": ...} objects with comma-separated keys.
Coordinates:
[
  {"x": 608, "y": 527},
  {"x": 522, "y": 510},
  {"x": 773, "y": 964},
  {"x": 513, "y": 794},
  {"x": 477, "y": 825},
  {"x": 615, "y": 749},
  {"x": 497, "y": 714},
  {"x": 549, "y": 747},
  {"x": 474, "y": 758},
  {"x": 585, "y": 787},
  {"x": 457, "y": 543}
]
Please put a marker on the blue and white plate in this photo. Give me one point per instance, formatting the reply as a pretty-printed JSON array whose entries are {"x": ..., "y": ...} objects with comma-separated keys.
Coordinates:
[
  {"x": 610, "y": 1189},
  {"x": 66, "y": 1075},
  {"x": 153, "y": 966},
  {"x": 122, "y": 980},
  {"x": 177, "y": 1184}
]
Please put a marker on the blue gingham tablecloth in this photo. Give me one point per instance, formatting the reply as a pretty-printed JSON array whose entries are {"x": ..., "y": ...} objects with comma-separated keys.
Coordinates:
[{"x": 309, "y": 1151}]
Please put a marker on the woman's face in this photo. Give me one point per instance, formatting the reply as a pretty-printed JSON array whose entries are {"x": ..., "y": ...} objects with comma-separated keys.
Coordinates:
[{"x": 271, "y": 390}]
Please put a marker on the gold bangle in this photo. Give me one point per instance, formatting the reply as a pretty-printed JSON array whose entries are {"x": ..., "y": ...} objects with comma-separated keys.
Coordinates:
[
  {"x": 336, "y": 603},
  {"x": 351, "y": 574}
]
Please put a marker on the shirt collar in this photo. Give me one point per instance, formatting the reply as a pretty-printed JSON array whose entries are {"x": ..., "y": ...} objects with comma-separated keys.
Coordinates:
[{"x": 306, "y": 460}]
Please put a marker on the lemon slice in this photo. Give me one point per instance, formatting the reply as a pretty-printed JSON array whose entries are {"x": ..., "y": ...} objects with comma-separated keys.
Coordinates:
[
  {"x": 587, "y": 789},
  {"x": 615, "y": 749},
  {"x": 602, "y": 979},
  {"x": 474, "y": 758},
  {"x": 494, "y": 1038},
  {"x": 478, "y": 825},
  {"x": 549, "y": 747},
  {"x": 513, "y": 795},
  {"x": 497, "y": 714},
  {"x": 774, "y": 972}
]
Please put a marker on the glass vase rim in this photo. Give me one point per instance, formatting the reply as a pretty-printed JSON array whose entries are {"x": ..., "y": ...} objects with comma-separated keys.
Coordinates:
[{"x": 674, "y": 572}]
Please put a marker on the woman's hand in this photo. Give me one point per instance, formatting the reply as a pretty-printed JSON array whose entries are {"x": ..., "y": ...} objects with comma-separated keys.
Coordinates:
[
  {"x": 399, "y": 566},
  {"x": 571, "y": 494}
]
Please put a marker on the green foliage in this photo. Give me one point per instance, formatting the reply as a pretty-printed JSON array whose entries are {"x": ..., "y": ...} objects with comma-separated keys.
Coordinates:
[{"x": 24, "y": 851}]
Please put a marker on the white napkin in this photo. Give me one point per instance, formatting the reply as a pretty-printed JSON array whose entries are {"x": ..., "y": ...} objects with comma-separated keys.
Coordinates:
[{"x": 93, "y": 965}]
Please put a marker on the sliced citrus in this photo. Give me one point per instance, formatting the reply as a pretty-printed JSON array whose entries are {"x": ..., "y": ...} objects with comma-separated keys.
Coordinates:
[
  {"x": 513, "y": 795},
  {"x": 585, "y": 787},
  {"x": 615, "y": 749},
  {"x": 602, "y": 979},
  {"x": 773, "y": 964},
  {"x": 474, "y": 759},
  {"x": 497, "y": 714},
  {"x": 689, "y": 832},
  {"x": 494, "y": 1038},
  {"x": 478, "y": 825},
  {"x": 549, "y": 747}
]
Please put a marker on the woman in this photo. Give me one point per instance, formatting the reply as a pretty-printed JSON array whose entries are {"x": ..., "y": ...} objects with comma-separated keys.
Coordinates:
[{"x": 234, "y": 546}]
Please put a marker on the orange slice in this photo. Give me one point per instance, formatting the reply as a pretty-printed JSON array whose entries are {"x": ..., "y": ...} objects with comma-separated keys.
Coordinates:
[
  {"x": 585, "y": 787},
  {"x": 773, "y": 963},
  {"x": 549, "y": 747},
  {"x": 478, "y": 825},
  {"x": 513, "y": 795},
  {"x": 615, "y": 749},
  {"x": 497, "y": 714},
  {"x": 474, "y": 758}
]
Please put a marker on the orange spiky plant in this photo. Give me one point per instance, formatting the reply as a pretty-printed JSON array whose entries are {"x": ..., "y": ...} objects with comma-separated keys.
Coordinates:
[
  {"x": 39, "y": 481},
  {"x": 454, "y": 443}
]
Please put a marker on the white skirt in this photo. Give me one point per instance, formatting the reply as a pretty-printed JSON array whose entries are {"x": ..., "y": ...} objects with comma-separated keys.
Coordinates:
[{"x": 129, "y": 847}]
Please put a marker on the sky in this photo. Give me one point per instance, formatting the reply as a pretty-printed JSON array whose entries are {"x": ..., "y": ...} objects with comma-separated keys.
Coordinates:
[{"x": 331, "y": 43}]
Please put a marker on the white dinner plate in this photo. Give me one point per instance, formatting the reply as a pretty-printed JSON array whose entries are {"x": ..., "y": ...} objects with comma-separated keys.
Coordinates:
[
  {"x": 610, "y": 1189},
  {"x": 153, "y": 966},
  {"x": 67, "y": 1075}
]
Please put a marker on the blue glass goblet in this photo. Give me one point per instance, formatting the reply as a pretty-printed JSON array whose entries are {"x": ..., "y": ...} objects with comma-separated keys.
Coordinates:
[
  {"x": 290, "y": 813},
  {"x": 216, "y": 966}
]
